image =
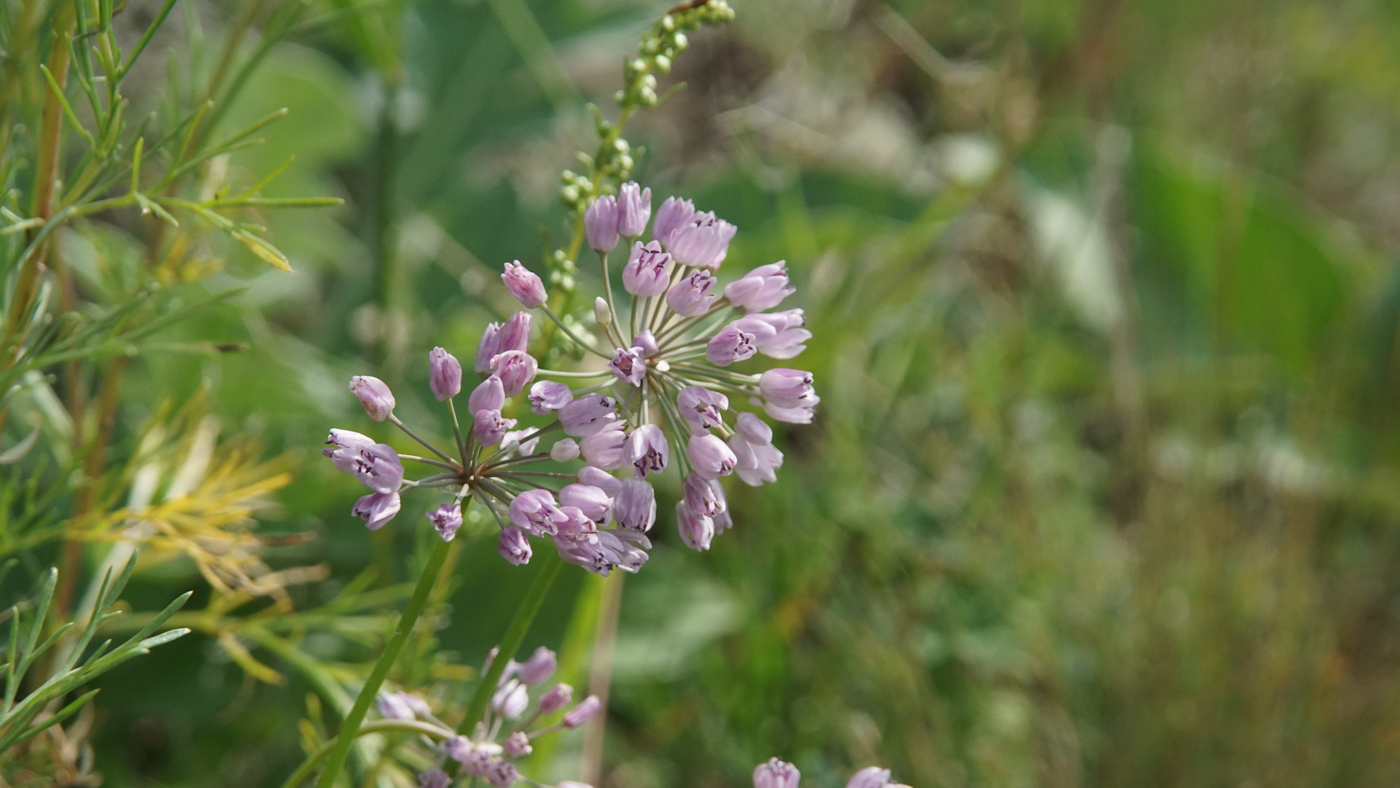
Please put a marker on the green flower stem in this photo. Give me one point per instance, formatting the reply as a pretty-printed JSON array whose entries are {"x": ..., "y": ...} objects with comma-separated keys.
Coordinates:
[
  {"x": 510, "y": 644},
  {"x": 350, "y": 728},
  {"x": 411, "y": 726}
]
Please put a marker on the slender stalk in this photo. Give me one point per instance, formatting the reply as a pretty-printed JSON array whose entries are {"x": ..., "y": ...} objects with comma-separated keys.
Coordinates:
[
  {"x": 457, "y": 431},
  {"x": 510, "y": 644},
  {"x": 600, "y": 679},
  {"x": 45, "y": 178},
  {"x": 614, "y": 330},
  {"x": 412, "y": 726},
  {"x": 428, "y": 461},
  {"x": 352, "y": 723},
  {"x": 435, "y": 450},
  {"x": 571, "y": 335}
]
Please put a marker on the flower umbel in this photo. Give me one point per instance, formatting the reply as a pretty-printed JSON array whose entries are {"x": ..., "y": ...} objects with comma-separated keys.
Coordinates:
[{"x": 665, "y": 391}]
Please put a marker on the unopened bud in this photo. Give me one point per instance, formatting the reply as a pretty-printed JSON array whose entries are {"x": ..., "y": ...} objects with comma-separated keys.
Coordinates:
[{"x": 601, "y": 313}]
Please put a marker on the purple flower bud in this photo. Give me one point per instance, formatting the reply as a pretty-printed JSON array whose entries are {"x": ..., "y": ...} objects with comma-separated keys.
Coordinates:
[
  {"x": 723, "y": 522},
  {"x": 635, "y": 506},
  {"x": 564, "y": 450},
  {"x": 587, "y": 552},
  {"x": 547, "y": 396},
  {"x": 376, "y": 509},
  {"x": 444, "y": 374},
  {"x": 710, "y": 457},
  {"x": 374, "y": 395},
  {"x": 704, "y": 496},
  {"x": 577, "y": 526},
  {"x": 673, "y": 213},
  {"x": 514, "y": 546},
  {"x": 489, "y": 427},
  {"x": 606, "y": 448},
  {"x": 475, "y": 762},
  {"x": 536, "y": 512},
  {"x": 737, "y": 341},
  {"x": 788, "y": 341},
  {"x": 647, "y": 450},
  {"x": 762, "y": 288},
  {"x": 515, "y": 333},
  {"x": 597, "y": 477},
  {"x": 487, "y": 348},
  {"x": 419, "y": 706},
  {"x": 786, "y": 344},
  {"x": 446, "y": 519},
  {"x": 588, "y": 414},
  {"x": 595, "y": 504},
  {"x": 869, "y": 777},
  {"x": 757, "y": 459},
  {"x": 600, "y": 224},
  {"x": 700, "y": 408},
  {"x": 691, "y": 296},
  {"x": 621, "y": 554},
  {"x": 586, "y": 710},
  {"x": 647, "y": 342},
  {"x": 789, "y": 395},
  {"x": 629, "y": 366},
  {"x": 376, "y": 465},
  {"x": 347, "y": 439},
  {"x": 515, "y": 368},
  {"x": 539, "y": 667},
  {"x": 787, "y": 388},
  {"x": 514, "y": 447},
  {"x": 703, "y": 241},
  {"x": 510, "y": 699},
  {"x": 557, "y": 698},
  {"x": 633, "y": 209},
  {"x": 776, "y": 774},
  {"x": 437, "y": 778},
  {"x": 392, "y": 707},
  {"x": 524, "y": 284},
  {"x": 490, "y": 394},
  {"x": 780, "y": 321},
  {"x": 459, "y": 748},
  {"x": 518, "y": 745},
  {"x": 648, "y": 270},
  {"x": 501, "y": 773},
  {"x": 696, "y": 528}
]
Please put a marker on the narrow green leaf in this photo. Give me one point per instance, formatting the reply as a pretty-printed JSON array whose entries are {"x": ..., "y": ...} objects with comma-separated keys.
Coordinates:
[{"x": 63, "y": 714}]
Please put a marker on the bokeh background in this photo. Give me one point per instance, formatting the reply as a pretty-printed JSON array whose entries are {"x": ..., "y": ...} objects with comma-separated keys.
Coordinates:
[{"x": 1105, "y": 487}]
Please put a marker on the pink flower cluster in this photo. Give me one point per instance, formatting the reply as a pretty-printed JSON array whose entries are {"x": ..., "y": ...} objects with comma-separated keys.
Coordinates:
[{"x": 671, "y": 390}]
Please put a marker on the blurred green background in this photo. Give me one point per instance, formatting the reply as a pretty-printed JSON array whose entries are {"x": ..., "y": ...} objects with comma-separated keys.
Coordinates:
[{"x": 1105, "y": 486}]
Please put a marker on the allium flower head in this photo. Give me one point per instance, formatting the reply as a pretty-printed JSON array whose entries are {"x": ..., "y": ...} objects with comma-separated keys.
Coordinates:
[{"x": 679, "y": 379}]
